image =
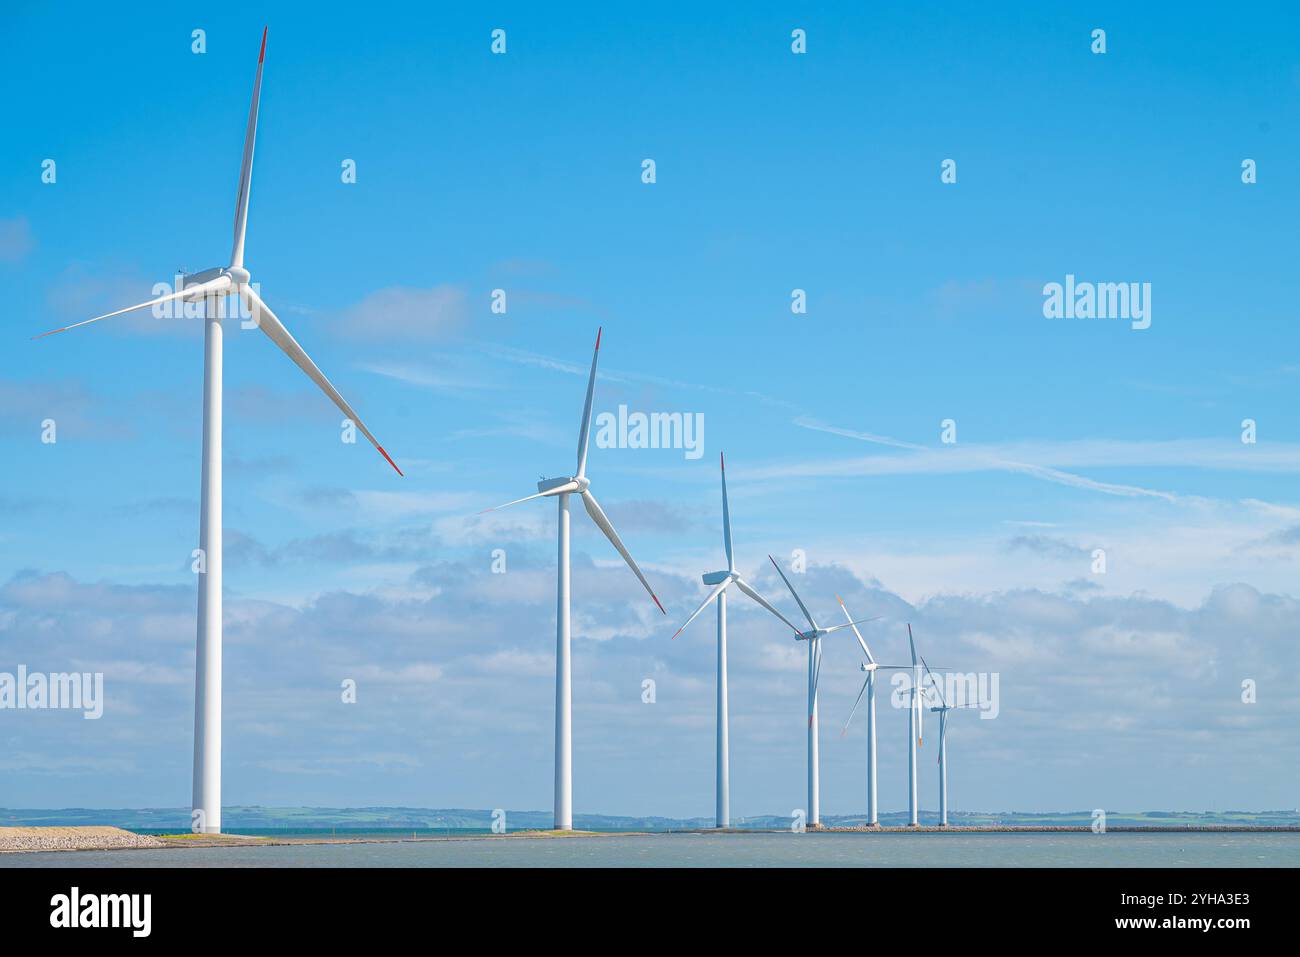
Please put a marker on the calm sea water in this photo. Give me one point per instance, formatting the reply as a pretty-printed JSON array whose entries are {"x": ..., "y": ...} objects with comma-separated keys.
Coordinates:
[{"x": 730, "y": 850}]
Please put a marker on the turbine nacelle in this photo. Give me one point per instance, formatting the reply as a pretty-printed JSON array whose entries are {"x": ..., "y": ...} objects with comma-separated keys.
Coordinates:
[
  {"x": 869, "y": 666},
  {"x": 558, "y": 486},
  {"x": 238, "y": 276},
  {"x": 717, "y": 578},
  {"x": 207, "y": 275}
]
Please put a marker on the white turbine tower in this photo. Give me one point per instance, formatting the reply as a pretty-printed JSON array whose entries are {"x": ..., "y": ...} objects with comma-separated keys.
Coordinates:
[
  {"x": 561, "y": 489},
  {"x": 813, "y": 636},
  {"x": 720, "y": 582},
  {"x": 942, "y": 710},
  {"x": 870, "y": 666},
  {"x": 210, "y": 286},
  {"x": 914, "y": 732}
]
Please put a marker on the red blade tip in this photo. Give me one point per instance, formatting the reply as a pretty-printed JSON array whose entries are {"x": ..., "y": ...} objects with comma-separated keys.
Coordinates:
[
  {"x": 661, "y": 607},
  {"x": 390, "y": 461},
  {"x": 599, "y": 330},
  {"x": 722, "y": 462},
  {"x": 262, "y": 52}
]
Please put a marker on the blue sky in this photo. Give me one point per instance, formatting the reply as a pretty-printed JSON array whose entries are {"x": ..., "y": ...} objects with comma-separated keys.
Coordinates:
[{"x": 774, "y": 172}]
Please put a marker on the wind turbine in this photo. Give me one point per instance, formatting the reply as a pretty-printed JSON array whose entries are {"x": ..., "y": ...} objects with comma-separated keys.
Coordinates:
[
  {"x": 914, "y": 726},
  {"x": 209, "y": 286},
  {"x": 942, "y": 710},
  {"x": 561, "y": 489},
  {"x": 720, "y": 582},
  {"x": 813, "y": 636},
  {"x": 870, "y": 666}
]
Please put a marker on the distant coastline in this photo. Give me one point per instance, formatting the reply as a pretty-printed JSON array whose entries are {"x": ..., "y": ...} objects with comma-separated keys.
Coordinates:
[{"x": 267, "y": 822}]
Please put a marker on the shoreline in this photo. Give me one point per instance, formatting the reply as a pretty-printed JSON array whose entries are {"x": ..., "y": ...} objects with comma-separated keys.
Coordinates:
[{"x": 36, "y": 840}]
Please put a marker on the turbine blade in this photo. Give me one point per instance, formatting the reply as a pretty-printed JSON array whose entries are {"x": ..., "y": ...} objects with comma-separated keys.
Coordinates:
[
  {"x": 802, "y": 606},
  {"x": 278, "y": 334},
  {"x": 726, "y": 516},
  {"x": 246, "y": 170},
  {"x": 570, "y": 487},
  {"x": 717, "y": 590},
  {"x": 857, "y": 634},
  {"x": 920, "y": 717},
  {"x": 584, "y": 431},
  {"x": 220, "y": 285},
  {"x": 935, "y": 682},
  {"x": 845, "y": 730},
  {"x": 598, "y": 516},
  {"x": 911, "y": 643},
  {"x": 749, "y": 590},
  {"x": 808, "y": 681},
  {"x": 851, "y": 624},
  {"x": 814, "y": 649}
]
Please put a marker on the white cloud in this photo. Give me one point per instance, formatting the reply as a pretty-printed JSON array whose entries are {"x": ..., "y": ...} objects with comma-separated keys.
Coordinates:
[
  {"x": 1046, "y": 459},
  {"x": 15, "y": 239},
  {"x": 405, "y": 313},
  {"x": 456, "y": 670}
]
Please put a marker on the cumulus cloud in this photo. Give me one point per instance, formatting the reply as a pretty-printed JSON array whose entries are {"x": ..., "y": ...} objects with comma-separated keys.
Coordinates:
[
  {"x": 1109, "y": 699},
  {"x": 1047, "y": 546},
  {"x": 1282, "y": 537},
  {"x": 343, "y": 547}
]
